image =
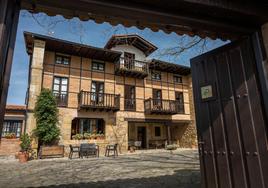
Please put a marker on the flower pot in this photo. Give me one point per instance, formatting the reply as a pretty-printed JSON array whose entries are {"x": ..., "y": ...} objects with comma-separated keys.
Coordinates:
[{"x": 23, "y": 157}]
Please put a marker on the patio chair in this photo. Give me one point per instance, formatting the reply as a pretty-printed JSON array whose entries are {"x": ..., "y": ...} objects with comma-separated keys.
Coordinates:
[
  {"x": 74, "y": 149},
  {"x": 89, "y": 149},
  {"x": 112, "y": 148}
]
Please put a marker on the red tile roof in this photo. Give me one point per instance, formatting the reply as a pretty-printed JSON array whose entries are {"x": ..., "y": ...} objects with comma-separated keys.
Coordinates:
[{"x": 15, "y": 107}]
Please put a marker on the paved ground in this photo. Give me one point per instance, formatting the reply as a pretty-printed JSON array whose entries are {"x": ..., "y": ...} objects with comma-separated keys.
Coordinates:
[{"x": 148, "y": 169}]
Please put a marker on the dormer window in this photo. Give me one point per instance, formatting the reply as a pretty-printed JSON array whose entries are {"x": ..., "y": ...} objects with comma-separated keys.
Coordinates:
[{"x": 156, "y": 75}]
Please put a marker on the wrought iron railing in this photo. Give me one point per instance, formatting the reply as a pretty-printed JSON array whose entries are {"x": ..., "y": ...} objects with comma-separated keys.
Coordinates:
[
  {"x": 163, "y": 106},
  {"x": 88, "y": 99}
]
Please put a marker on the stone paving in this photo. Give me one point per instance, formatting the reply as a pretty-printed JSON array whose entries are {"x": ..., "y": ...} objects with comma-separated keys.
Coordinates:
[{"x": 142, "y": 169}]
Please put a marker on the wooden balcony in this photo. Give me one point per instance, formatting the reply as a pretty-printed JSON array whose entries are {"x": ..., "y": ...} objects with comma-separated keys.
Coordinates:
[
  {"x": 164, "y": 107},
  {"x": 131, "y": 68},
  {"x": 98, "y": 101}
]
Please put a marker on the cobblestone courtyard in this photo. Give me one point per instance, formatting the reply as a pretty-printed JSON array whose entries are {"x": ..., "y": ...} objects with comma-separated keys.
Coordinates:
[{"x": 148, "y": 169}]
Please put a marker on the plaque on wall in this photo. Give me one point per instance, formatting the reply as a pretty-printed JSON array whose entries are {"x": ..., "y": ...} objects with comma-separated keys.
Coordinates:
[{"x": 207, "y": 92}]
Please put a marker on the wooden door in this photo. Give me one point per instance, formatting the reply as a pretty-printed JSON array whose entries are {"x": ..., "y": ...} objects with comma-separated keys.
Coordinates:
[
  {"x": 142, "y": 136},
  {"x": 129, "y": 60},
  {"x": 230, "y": 118}
]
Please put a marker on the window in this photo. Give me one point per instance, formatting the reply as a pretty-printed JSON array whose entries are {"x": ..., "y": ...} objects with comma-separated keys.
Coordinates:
[
  {"x": 60, "y": 90},
  {"x": 130, "y": 97},
  {"x": 97, "y": 66},
  {"x": 177, "y": 79},
  {"x": 157, "y": 98},
  {"x": 12, "y": 126},
  {"x": 157, "y": 131},
  {"x": 180, "y": 102},
  {"x": 62, "y": 60},
  {"x": 156, "y": 75},
  {"x": 97, "y": 90},
  {"x": 86, "y": 125}
]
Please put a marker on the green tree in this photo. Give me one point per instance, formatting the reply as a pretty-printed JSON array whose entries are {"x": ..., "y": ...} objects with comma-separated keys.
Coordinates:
[{"x": 46, "y": 114}]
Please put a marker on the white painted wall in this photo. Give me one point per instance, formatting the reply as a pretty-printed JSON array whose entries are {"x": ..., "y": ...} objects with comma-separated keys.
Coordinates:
[{"x": 139, "y": 55}]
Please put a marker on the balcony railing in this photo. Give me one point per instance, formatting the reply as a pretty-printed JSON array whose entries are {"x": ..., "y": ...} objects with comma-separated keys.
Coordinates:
[
  {"x": 131, "y": 68},
  {"x": 61, "y": 99},
  {"x": 101, "y": 101},
  {"x": 161, "y": 106}
]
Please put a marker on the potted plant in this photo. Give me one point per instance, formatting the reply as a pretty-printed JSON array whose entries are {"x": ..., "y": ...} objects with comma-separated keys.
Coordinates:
[
  {"x": 87, "y": 135},
  {"x": 100, "y": 136},
  {"x": 10, "y": 136},
  {"x": 47, "y": 131},
  {"x": 77, "y": 137},
  {"x": 25, "y": 146}
]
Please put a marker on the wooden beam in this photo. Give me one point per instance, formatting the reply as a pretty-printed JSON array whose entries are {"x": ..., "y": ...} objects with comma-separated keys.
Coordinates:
[{"x": 226, "y": 24}]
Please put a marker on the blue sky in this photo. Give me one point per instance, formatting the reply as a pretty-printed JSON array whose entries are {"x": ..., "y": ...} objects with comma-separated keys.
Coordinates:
[{"x": 89, "y": 33}]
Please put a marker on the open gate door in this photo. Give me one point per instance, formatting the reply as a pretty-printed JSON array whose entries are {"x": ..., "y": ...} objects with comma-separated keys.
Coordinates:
[{"x": 231, "y": 125}]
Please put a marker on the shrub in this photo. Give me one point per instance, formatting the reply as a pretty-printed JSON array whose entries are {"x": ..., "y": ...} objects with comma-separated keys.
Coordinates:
[
  {"x": 10, "y": 135},
  {"x": 77, "y": 137},
  {"x": 46, "y": 114},
  {"x": 25, "y": 144}
]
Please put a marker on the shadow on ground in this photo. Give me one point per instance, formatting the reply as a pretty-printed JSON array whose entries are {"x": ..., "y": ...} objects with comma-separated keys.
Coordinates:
[{"x": 180, "y": 179}]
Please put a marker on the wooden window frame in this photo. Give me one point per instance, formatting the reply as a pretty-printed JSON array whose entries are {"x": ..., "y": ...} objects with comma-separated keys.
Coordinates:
[
  {"x": 175, "y": 79},
  {"x": 98, "y": 66},
  {"x": 62, "y": 59},
  {"x": 60, "y": 90},
  {"x": 126, "y": 98},
  {"x": 153, "y": 72},
  {"x": 9, "y": 124},
  {"x": 181, "y": 110},
  {"x": 76, "y": 126}
]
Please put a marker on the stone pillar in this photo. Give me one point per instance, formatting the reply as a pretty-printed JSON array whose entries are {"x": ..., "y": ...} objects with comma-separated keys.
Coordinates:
[
  {"x": 36, "y": 71},
  {"x": 168, "y": 133}
]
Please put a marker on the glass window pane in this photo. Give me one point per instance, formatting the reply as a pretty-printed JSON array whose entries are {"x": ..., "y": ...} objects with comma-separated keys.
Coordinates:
[
  {"x": 66, "y": 61},
  {"x": 63, "y": 88},
  {"x": 58, "y": 59},
  {"x": 56, "y": 80},
  {"x": 64, "y": 81},
  {"x": 95, "y": 66},
  {"x": 101, "y": 67},
  {"x": 56, "y": 88}
]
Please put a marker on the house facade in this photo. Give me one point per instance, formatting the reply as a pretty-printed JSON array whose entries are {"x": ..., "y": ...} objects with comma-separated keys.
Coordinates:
[
  {"x": 114, "y": 94},
  {"x": 13, "y": 127}
]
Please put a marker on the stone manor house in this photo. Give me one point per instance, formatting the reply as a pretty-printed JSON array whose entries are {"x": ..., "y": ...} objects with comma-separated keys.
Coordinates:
[{"x": 115, "y": 91}]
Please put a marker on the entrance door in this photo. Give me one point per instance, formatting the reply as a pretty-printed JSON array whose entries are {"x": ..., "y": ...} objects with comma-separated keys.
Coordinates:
[
  {"x": 231, "y": 125},
  {"x": 142, "y": 136}
]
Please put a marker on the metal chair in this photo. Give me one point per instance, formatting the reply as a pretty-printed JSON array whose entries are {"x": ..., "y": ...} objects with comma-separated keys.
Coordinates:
[
  {"x": 137, "y": 144},
  {"x": 74, "y": 149},
  {"x": 112, "y": 148}
]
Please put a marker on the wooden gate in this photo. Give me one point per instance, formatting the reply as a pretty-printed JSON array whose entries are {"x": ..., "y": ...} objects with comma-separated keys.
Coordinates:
[{"x": 230, "y": 118}]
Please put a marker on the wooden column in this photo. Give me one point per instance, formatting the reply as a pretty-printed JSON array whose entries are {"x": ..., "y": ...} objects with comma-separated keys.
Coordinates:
[{"x": 9, "y": 17}]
